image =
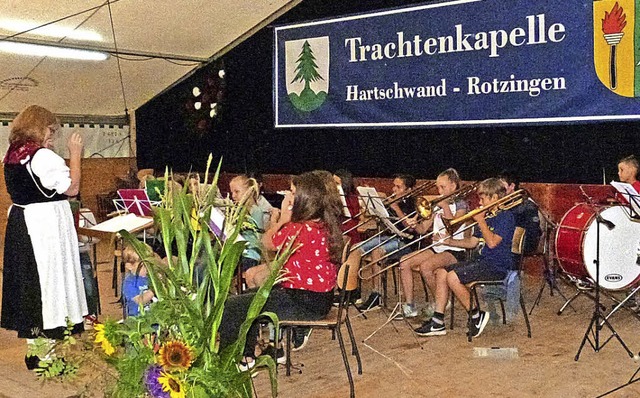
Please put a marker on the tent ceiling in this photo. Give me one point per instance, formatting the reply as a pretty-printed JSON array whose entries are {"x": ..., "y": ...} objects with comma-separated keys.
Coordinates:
[{"x": 187, "y": 31}]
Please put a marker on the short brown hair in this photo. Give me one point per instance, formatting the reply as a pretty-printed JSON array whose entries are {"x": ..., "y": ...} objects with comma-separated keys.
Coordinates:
[
  {"x": 31, "y": 124},
  {"x": 632, "y": 161},
  {"x": 492, "y": 186}
]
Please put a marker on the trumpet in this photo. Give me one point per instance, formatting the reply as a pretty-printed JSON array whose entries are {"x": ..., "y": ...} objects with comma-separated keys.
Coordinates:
[
  {"x": 426, "y": 207},
  {"x": 505, "y": 203}
]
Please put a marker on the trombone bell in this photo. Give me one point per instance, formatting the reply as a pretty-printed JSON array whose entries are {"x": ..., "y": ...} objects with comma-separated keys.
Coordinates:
[{"x": 505, "y": 203}]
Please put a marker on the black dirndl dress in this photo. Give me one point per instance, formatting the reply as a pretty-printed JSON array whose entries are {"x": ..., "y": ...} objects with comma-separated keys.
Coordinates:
[{"x": 26, "y": 307}]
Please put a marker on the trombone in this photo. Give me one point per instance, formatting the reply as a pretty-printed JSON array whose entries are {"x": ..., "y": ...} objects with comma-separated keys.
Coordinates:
[
  {"x": 389, "y": 200},
  {"x": 452, "y": 226},
  {"x": 426, "y": 209},
  {"x": 389, "y": 226},
  {"x": 505, "y": 203}
]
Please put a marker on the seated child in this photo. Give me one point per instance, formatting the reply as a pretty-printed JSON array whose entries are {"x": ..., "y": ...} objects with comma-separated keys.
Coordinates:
[
  {"x": 493, "y": 263},
  {"x": 135, "y": 286},
  {"x": 244, "y": 190}
]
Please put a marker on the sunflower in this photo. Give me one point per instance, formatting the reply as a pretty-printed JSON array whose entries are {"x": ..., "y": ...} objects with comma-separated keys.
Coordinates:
[
  {"x": 175, "y": 355},
  {"x": 172, "y": 385},
  {"x": 151, "y": 381},
  {"x": 101, "y": 338}
]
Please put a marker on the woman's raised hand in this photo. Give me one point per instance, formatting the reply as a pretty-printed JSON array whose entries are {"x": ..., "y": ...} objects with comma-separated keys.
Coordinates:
[{"x": 75, "y": 145}]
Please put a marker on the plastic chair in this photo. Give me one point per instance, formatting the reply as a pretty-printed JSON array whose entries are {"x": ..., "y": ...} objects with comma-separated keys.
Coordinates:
[
  {"x": 347, "y": 282},
  {"x": 516, "y": 249}
]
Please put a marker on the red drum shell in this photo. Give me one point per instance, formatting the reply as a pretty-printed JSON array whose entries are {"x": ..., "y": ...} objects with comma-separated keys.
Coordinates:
[{"x": 619, "y": 247}]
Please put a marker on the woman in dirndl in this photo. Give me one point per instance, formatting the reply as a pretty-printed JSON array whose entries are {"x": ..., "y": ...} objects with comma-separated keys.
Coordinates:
[{"x": 42, "y": 280}]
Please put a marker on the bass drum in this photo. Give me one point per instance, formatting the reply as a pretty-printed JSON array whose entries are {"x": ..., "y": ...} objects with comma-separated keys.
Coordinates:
[{"x": 619, "y": 246}]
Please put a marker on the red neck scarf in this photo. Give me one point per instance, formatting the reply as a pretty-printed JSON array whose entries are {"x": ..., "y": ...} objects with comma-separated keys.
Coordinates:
[{"x": 19, "y": 151}]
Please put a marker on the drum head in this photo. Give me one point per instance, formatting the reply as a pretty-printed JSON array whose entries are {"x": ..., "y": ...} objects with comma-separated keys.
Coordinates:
[{"x": 619, "y": 249}]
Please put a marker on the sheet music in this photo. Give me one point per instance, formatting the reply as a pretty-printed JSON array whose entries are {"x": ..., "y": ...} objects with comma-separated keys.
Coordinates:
[
  {"x": 216, "y": 222},
  {"x": 629, "y": 193},
  {"x": 219, "y": 227},
  {"x": 343, "y": 199},
  {"x": 373, "y": 202},
  {"x": 129, "y": 222}
]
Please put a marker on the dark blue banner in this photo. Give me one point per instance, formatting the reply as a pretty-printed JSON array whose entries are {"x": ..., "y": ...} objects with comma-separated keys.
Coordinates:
[{"x": 474, "y": 62}]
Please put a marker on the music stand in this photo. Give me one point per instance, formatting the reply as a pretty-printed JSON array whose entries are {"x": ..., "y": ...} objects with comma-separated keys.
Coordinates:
[
  {"x": 376, "y": 207},
  {"x": 134, "y": 201},
  {"x": 109, "y": 230},
  {"x": 372, "y": 201},
  {"x": 629, "y": 193},
  {"x": 550, "y": 270},
  {"x": 597, "y": 319},
  {"x": 155, "y": 189}
]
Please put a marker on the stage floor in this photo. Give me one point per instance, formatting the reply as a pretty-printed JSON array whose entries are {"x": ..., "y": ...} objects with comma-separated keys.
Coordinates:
[{"x": 396, "y": 364}]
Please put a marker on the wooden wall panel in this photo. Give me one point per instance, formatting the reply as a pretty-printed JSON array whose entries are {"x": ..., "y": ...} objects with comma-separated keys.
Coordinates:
[
  {"x": 554, "y": 199},
  {"x": 101, "y": 175}
]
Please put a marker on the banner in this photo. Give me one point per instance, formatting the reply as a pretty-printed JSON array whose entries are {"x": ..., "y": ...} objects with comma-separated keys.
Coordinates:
[
  {"x": 462, "y": 63},
  {"x": 100, "y": 140}
]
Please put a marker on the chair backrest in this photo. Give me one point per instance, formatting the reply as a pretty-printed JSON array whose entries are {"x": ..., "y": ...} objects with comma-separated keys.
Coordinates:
[
  {"x": 351, "y": 281},
  {"x": 517, "y": 243}
]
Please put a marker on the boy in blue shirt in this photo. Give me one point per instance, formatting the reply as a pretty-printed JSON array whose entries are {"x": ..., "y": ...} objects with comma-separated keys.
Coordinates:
[
  {"x": 135, "y": 287},
  {"x": 493, "y": 263}
]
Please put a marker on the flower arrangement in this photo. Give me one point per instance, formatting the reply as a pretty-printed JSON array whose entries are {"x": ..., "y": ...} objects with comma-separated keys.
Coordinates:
[{"x": 171, "y": 349}]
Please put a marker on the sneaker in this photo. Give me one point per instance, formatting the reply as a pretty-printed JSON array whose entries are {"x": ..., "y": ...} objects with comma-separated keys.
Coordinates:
[
  {"x": 373, "y": 302},
  {"x": 476, "y": 328},
  {"x": 31, "y": 361},
  {"x": 278, "y": 354},
  {"x": 300, "y": 338},
  {"x": 409, "y": 310},
  {"x": 431, "y": 329},
  {"x": 246, "y": 364},
  {"x": 355, "y": 298}
]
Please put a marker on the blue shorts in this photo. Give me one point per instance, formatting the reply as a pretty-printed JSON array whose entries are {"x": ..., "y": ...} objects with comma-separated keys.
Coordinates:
[
  {"x": 471, "y": 271},
  {"x": 391, "y": 244}
]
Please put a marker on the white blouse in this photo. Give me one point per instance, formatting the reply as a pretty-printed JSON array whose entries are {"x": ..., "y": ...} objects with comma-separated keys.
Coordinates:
[{"x": 52, "y": 170}]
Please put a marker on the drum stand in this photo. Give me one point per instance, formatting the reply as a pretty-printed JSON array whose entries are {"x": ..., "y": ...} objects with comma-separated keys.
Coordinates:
[{"x": 597, "y": 319}]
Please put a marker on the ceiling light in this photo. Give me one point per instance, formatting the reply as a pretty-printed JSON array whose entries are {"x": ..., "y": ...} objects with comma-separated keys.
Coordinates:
[
  {"x": 49, "y": 30},
  {"x": 53, "y": 52},
  {"x": 221, "y": 73},
  {"x": 197, "y": 105},
  {"x": 196, "y": 91}
]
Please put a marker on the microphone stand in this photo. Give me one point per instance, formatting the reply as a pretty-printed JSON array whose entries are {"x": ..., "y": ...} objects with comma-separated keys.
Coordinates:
[{"x": 598, "y": 321}]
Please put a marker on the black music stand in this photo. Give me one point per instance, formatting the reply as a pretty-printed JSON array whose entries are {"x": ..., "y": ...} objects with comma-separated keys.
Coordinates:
[
  {"x": 632, "y": 380},
  {"x": 550, "y": 272},
  {"x": 598, "y": 321},
  {"x": 632, "y": 212}
]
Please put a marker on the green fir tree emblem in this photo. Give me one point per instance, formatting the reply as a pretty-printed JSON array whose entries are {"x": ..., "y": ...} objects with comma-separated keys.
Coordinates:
[{"x": 307, "y": 72}]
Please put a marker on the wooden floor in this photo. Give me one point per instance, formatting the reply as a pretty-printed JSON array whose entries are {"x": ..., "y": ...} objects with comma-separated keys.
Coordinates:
[{"x": 396, "y": 363}]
